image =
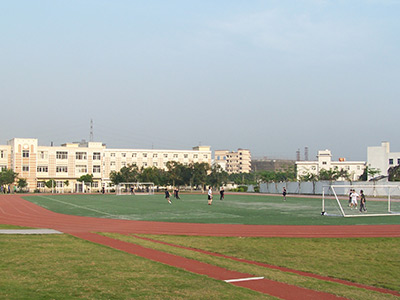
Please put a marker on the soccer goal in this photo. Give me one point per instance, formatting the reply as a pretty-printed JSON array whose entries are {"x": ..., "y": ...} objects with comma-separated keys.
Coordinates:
[
  {"x": 135, "y": 188},
  {"x": 381, "y": 200}
]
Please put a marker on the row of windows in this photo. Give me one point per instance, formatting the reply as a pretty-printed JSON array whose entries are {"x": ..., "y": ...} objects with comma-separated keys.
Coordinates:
[
  {"x": 60, "y": 184},
  {"x": 391, "y": 161},
  {"x": 64, "y": 169},
  {"x": 97, "y": 155}
]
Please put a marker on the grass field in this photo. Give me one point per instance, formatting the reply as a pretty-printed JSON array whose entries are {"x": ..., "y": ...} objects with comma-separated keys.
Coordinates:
[
  {"x": 235, "y": 209},
  {"x": 64, "y": 267}
]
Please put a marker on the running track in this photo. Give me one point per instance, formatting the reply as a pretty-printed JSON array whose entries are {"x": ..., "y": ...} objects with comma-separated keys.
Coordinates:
[{"x": 16, "y": 211}]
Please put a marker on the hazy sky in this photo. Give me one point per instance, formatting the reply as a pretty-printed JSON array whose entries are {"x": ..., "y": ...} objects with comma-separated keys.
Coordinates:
[{"x": 270, "y": 76}]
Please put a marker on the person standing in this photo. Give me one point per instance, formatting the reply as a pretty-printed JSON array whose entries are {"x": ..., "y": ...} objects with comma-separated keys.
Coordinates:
[
  {"x": 210, "y": 195},
  {"x": 363, "y": 206},
  {"x": 167, "y": 196},
  {"x": 354, "y": 197},
  {"x": 177, "y": 193},
  {"x": 284, "y": 193},
  {"x": 222, "y": 193}
]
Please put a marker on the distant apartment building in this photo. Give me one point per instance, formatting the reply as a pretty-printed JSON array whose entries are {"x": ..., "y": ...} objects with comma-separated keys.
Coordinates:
[
  {"x": 324, "y": 161},
  {"x": 380, "y": 158},
  {"x": 68, "y": 162},
  {"x": 234, "y": 162},
  {"x": 275, "y": 165}
]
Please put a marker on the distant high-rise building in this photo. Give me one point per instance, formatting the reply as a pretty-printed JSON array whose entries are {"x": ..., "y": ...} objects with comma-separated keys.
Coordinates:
[{"x": 234, "y": 162}]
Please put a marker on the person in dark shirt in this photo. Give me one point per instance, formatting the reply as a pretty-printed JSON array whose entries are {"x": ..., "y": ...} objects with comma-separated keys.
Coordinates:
[{"x": 167, "y": 196}]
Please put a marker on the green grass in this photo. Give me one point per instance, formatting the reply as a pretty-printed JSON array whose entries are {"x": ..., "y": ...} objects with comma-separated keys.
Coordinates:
[
  {"x": 235, "y": 209},
  {"x": 64, "y": 267},
  {"x": 320, "y": 256}
]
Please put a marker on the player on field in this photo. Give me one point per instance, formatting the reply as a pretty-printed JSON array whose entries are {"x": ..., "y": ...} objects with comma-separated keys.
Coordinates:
[
  {"x": 362, "y": 202},
  {"x": 354, "y": 197},
  {"x": 167, "y": 196},
  {"x": 222, "y": 193},
  {"x": 210, "y": 196},
  {"x": 284, "y": 192}
]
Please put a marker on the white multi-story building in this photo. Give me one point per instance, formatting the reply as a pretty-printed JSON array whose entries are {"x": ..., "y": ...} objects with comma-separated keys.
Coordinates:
[
  {"x": 380, "y": 158},
  {"x": 68, "y": 162},
  {"x": 234, "y": 162},
  {"x": 354, "y": 168}
]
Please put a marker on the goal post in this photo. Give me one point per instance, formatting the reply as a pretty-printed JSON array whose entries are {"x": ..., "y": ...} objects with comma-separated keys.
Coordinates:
[
  {"x": 135, "y": 188},
  {"x": 381, "y": 200}
]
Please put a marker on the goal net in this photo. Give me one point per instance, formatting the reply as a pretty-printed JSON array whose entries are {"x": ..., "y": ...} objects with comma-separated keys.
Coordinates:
[
  {"x": 381, "y": 200},
  {"x": 135, "y": 188}
]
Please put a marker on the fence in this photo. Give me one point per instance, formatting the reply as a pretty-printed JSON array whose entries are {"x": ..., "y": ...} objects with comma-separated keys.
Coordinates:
[{"x": 315, "y": 188}]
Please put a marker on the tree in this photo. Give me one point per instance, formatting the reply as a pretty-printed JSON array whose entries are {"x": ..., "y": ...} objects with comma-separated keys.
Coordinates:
[
  {"x": 51, "y": 183},
  {"x": 218, "y": 176},
  {"x": 369, "y": 172},
  {"x": 22, "y": 183},
  {"x": 394, "y": 173},
  {"x": 129, "y": 173},
  {"x": 7, "y": 176},
  {"x": 88, "y": 178}
]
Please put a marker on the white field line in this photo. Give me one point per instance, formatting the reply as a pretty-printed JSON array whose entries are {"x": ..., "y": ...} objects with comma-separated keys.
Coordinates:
[
  {"x": 243, "y": 279},
  {"x": 95, "y": 210}
]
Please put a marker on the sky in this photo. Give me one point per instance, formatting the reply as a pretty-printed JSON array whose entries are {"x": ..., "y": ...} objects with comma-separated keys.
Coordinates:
[{"x": 269, "y": 76}]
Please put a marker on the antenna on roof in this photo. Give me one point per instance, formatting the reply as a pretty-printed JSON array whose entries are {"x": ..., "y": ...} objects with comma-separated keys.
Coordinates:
[{"x": 91, "y": 131}]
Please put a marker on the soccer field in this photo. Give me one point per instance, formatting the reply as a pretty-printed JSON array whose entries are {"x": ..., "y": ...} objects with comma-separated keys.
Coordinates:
[{"x": 192, "y": 208}]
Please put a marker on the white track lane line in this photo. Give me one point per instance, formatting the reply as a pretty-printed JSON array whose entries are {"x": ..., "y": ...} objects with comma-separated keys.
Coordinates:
[{"x": 243, "y": 279}]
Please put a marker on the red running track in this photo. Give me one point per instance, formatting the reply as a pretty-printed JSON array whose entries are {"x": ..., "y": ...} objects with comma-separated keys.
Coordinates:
[{"x": 16, "y": 211}]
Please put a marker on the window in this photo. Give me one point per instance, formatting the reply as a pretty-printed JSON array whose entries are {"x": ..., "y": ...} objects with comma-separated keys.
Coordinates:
[
  {"x": 96, "y": 156},
  {"x": 324, "y": 162},
  {"x": 112, "y": 154},
  {"x": 96, "y": 169},
  {"x": 95, "y": 184},
  {"x": 3, "y": 167},
  {"x": 123, "y": 154},
  {"x": 43, "y": 155},
  {"x": 175, "y": 155},
  {"x": 59, "y": 184},
  {"x": 155, "y": 164},
  {"x": 390, "y": 161},
  {"x": 155, "y": 155},
  {"x": 2, "y": 154},
  {"x": 145, "y": 164},
  {"x": 61, "y": 169},
  {"x": 42, "y": 169},
  {"x": 25, "y": 168},
  {"x": 40, "y": 184},
  {"x": 205, "y": 156},
  {"x": 81, "y": 169},
  {"x": 61, "y": 155},
  {"x": 165, "y": 155},
  {"x": 112, "y": 163},
  {"x": 25, "y": 153},
  {"x": 81, "y": 155},
  {"x": 186, "y": 155},
  {"x": 123, "y": 163},
  {"x": 134, "y": 154},
  {"x": 144, "y": 154},
  {"x": 195, "y": 156},
  {"x": 398, "y": 161}
]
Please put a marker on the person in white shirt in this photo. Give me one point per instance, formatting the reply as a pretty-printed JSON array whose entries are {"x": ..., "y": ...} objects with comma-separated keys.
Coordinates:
[
  {"x": 210, "y": 196},
  {"x": 354, "y": 197}
]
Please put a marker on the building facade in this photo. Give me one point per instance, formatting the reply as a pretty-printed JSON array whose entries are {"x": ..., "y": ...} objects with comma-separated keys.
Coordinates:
[
  {"x": 354, "y": 168},
  {"x": 234, "y": 162},
  {"x": 380, "y": 158},
  {"x": 68, "y": 162}
]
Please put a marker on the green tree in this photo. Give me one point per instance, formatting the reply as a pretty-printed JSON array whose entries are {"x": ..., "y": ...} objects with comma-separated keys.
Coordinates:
[
  {"x": 369, "y": 172},
  {"x": 22, "y": 183},
  {"x": 218, "y": 176},
  {"x": 51, "y": 183},
  {"x": 394, "y": 173},
  {"x": 88, "y": 178},
  {"x": 7, "y": 176}
]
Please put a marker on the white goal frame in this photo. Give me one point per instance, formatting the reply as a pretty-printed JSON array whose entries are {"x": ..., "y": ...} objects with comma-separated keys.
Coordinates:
[
  {"x": 389, "y": 200},
  {"x": 135, "y": 188}
]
